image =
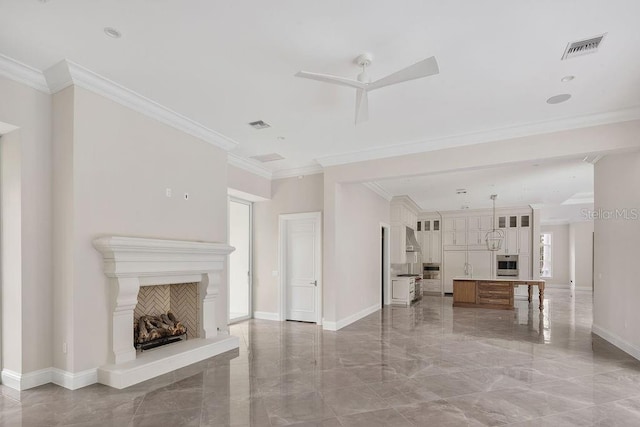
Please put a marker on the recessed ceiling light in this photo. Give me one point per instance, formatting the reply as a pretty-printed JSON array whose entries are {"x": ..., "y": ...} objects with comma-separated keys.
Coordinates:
[
  {"x": 112, "y": 32},
  {"x": 557, "y": 99},
  {"x": 567, "y": 78},
  {"x": 281, "y": 138}
]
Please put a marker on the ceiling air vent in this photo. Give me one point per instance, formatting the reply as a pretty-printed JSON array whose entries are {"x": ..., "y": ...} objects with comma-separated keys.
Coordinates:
[
  {"x": 583, "y": 47},
  {"x": 264, "y": 158},
  {"x": 259, "y": 124}
]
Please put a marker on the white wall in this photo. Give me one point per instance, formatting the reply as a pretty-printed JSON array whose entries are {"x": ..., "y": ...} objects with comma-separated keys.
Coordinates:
[
  {"x": 122, "y": 163},
  {"x": 288, "y": 195},
  {"x": 26, "y": 246},
  {"x": 560, "y": 254},
  {"x": 247, "y": 182},
  {"x": 358, "y": 216},
  {"x": 581, "y": 254},
  {"x": 616, "y": 290}
]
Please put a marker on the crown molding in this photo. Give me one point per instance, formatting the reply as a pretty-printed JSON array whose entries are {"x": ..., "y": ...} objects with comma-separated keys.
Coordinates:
[
  {"x": 249, "y": 165},
  {"x": 301, "y": 171},
  {"x": 453, "y": 141},
  {"x": 376, "y": 188},
  {"x": 67, "y": 73},
  {"x": 22, "y": 73}
]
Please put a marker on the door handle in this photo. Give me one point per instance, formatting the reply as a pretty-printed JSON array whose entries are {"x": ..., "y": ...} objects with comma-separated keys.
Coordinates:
[{"x": 314, "y": 283}]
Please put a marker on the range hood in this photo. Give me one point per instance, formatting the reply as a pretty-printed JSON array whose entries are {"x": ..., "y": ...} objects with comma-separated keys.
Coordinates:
[{"x": 412, "y": 243}]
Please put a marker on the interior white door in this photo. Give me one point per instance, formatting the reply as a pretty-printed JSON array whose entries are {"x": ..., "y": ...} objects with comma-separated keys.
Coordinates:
[{"x": 302, "y": 268}]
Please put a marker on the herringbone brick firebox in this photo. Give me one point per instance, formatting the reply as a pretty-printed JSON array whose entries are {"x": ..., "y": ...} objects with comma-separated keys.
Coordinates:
[{"x": 181, "y": 299}]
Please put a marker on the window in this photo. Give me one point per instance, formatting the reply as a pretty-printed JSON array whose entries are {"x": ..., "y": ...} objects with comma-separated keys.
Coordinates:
[{"x": 546, "y": 265}]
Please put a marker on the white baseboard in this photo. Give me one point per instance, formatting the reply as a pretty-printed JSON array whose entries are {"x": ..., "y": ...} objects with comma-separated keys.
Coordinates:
[
  {"x": 265, "y": 315},
  {"x": 11, "y": 379},
  {"x": 74, "y": 380},
  {"x": 26, "y": 381},
  {"x": 616, "y": 340},
  {"x": 335, "y": 326},
  {"x": 69, "y": 380}
]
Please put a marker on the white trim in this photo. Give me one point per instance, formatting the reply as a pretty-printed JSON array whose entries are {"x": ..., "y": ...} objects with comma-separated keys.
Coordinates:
[
  {"x": 74, "y": 380},
  {"x": 583, "y": 288},
  {"x": 483, "y": 136},
  {"x": 282, "y": 297},
  {"x": 377, "y": 188},
  {"x": 26, "y": 381},
  {"x": 265, "y": 315},
  {"x": 616, "y": 340},
  {"x": 335, "y": 326},
  {"x": 250, "y": 284},
  {"x": 232, "y": 192},
  {"x": 22, "y": 73},
  {"x": 300, "y": 171},
  {"x": 11, "y": 379},
  {"x": 250, "y": 165},
  {"x": 67, "y": 73}
]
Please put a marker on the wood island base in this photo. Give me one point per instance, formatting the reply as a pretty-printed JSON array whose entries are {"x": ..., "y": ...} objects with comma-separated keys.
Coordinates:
[{"x": 491, "y": 293}]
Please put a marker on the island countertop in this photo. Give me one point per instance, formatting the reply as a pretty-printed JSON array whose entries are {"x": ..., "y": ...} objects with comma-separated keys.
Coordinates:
[{"x": 498, "y": 279}]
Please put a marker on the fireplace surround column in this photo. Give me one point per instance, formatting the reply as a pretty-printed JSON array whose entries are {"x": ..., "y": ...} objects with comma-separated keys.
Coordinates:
[{"x": 126, "y": 297}]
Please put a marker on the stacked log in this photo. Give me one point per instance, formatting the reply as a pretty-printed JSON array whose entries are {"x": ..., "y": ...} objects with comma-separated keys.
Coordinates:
[{"x": 150, "y": 328}]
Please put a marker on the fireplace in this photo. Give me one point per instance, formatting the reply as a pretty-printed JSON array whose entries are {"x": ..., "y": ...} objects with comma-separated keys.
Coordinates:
[{"x": 135, "y": 264}]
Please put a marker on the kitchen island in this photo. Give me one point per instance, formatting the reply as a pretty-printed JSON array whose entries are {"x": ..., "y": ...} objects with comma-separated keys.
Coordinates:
[{"x": 496, "y": 293}]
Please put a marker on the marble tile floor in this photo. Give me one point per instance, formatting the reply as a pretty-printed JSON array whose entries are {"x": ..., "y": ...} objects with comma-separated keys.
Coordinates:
[{"x": 426, "y": 365}]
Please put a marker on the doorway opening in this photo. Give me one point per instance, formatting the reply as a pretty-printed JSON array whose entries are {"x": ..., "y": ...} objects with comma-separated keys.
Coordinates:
[
  {"x": 384, "y": 264},
  {"x": 240, "y": 260}
]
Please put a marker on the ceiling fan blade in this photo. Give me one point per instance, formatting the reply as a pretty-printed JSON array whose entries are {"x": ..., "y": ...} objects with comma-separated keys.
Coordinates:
[
  {"x": 424, "y": 68},
  {"x": 327, "y": 78},
  {"x": 362, "y": 106}
]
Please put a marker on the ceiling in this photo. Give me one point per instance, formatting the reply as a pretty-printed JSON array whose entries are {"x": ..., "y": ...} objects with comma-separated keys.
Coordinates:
[
  {"x": 224, "y": 64},
  {"x": 560, "y": 188}
]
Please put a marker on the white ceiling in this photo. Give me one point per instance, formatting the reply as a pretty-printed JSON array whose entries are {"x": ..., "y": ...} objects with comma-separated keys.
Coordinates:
[
  {"x": 227, "y": 63},
  {"x": 559, "y": 187}
]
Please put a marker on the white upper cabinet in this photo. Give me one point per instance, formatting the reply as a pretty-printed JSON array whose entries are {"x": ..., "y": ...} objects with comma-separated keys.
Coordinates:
[{"x": 481, "y": 222}]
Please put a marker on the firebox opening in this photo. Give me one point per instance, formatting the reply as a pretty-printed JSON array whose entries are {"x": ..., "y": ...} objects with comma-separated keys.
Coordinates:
[{"x": 165, "y": 314}]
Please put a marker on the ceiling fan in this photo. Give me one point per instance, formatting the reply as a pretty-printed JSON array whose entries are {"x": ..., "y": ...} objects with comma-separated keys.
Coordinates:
[{"x": 363, "y": 84}]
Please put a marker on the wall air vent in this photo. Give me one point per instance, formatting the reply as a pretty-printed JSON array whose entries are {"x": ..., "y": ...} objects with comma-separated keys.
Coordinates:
[
  {"x": 264, "y": 158},
  {"x": 259, "y": 124},
  {"x": 583, "y": 47}
]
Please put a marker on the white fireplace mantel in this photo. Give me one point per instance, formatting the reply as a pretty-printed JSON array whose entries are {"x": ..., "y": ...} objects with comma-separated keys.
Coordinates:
[{"x": 131, "y": 262}]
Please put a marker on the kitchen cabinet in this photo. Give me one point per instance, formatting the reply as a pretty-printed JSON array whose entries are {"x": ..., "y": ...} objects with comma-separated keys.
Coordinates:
[
  {"x": 480, "y": 263},
  {"x": 431, "y": 245},
  {"x": 454, "y": 235},
  {"x": 481, "y": 222},
  {"x": 403, "y": 290},
  {"x": 454, "y": 266},
  {"x": 477, "y": 263},
  {"x": 432, "y": 285}
]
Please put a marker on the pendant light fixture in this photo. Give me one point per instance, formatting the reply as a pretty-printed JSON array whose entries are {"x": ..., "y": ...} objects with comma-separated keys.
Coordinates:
[{"x": 494, "y": 238}]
